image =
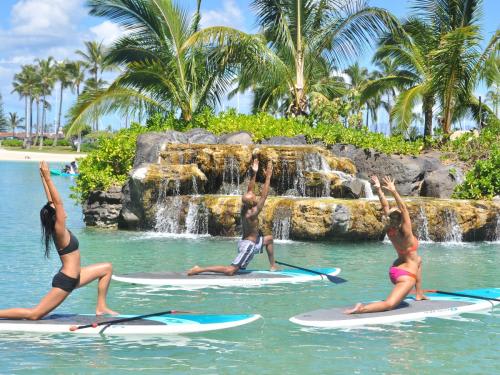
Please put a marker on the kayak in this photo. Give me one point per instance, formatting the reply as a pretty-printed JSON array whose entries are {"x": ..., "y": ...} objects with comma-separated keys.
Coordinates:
[
  {"x": 209, "y": 279},
  {"x": 438, "y": 305},
  {"x": 56, "y": 172},
  {"x": 156, "y": 325}
]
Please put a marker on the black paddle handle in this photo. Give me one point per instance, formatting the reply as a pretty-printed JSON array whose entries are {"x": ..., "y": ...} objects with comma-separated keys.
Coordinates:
[
  {"x": 303, "y": 269},
  {"x": 121, "y": 320},
  {"x": 467, "y": 295}
]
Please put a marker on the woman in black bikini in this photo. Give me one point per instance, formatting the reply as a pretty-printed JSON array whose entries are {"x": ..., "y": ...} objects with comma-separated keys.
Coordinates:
[
  {"x": 71, "y": 274},
  {"x": 406, "y": 271}
]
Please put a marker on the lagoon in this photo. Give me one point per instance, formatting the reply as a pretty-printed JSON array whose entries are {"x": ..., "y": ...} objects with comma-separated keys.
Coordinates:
[{"x": 272, "y": 345}]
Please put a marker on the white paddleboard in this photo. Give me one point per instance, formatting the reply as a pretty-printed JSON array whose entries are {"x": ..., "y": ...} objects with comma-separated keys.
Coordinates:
[
  {"x": 242, "y": 278},
  {"x": 157, "y": 325},
  {"x": 439, "y": 305}
]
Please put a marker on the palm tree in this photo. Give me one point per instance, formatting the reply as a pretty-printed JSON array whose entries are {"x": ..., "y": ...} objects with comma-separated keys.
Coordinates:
[
  {"x": 158, "y": 70},
  {"x": 458, "y": 61},
  {"x": 491, "y": 76},
  {"x": 47, "y": 78},
  {"x": 76, "y": 74},
  {"x": 24, "y": 84},
  {"x": 94, "y": 60},
  {"x": 14, "y": 122},
  {"x": 406, "y": 53},
  {"x": 3, "y": 121},
  {"x": 299, "y": 45},
  {"x": 62, "y": 73}
]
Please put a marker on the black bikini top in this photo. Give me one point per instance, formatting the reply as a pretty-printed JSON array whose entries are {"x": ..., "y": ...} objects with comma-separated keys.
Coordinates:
[{"x": 72, "y": 246}]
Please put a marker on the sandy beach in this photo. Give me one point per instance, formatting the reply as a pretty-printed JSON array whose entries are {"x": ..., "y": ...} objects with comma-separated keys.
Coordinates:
[{"x": 9, "y": 155}]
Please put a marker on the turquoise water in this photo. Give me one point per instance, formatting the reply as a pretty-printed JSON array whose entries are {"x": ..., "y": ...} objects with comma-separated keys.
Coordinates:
[{"x": 468, "y": 344}]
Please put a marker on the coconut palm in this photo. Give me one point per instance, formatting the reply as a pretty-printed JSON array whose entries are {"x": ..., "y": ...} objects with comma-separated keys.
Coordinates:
[
  {"x": 458, "y": 61},
  {"x": 299, "y": 45},
  {"x": 46, "y": 80},
  {"x": 157, "y": 70},
  {"x": 3, "y": 121},
  {"x": 14, "y": 122},
  {"x": 24, "y": 85},
  {"x": 76, "y": 73},
  {"x": 62, "y": 72},
  {"x": 406, "y": 53},
  {"x": 94, "y": 60}
]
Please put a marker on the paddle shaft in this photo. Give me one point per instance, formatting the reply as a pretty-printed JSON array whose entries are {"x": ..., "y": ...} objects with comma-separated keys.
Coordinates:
[
  {"x": 463, "y": 295},
  {"x": 122, "y": 320},
  {"x": 303, "y": 269}
]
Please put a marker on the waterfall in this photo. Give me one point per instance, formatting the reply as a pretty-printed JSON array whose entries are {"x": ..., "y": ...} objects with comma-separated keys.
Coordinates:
[
  {"x": 168, "y": 209},
  {"x": 231, "y": 176},
  {"x": 422, "y": 225},
  {"x": 195, "y": 185},
  {"x": 196, "y": 218},
  {"x": 367, "y": 188},
  {"x": 286, "y": 180},
  {"x": 494, "y": 232},
  {"x": 299, "y": 181},
  {"x": 281, "y": 223},
  {"x": 453, "y": 233}
]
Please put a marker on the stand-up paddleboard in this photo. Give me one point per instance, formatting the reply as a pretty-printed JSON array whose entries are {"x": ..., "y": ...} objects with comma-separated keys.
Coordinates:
[
  {"x": 439, "y": 305},
  {"x": 157, "y": 325},
  {"x": 208, "y": 279},
  {"x": 56, "y": 172}
]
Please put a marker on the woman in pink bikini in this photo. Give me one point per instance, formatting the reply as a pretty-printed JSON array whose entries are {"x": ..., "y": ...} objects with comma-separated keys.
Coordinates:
[{"x": 406, "y": 271}]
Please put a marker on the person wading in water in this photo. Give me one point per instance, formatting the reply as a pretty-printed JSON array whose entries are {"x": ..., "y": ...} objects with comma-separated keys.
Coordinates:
[
  {"x": 406, "y": 271},
  {"x": 71, "y": 275},
  {"x": 252, "y": 239}
]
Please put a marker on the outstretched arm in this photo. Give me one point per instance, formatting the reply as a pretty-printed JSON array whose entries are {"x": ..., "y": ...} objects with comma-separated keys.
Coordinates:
[
  {"x": 381, "y": 195},
  {"x": 405, "y": 215},
  {"x": 53, "y": 195},
  {"x": 255, "y": 168},
  {"x": 265, "y": 188}
]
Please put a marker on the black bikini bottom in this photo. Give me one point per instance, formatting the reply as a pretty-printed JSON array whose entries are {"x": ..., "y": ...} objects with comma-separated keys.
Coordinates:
[{"x": 64, "y": 282}]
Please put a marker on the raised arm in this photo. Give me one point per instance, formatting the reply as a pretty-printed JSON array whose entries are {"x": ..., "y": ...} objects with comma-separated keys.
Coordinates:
[
  {"x": 265, "y": 188},
  {"x": 255, "y": 168},
  {"x": 53, "y": 196},
  {"x": 381, "y": 195},
  {"x": 405, "y": 215}
]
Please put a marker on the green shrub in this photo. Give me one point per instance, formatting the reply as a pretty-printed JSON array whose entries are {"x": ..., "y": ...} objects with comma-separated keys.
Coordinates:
[
  {"x": 483, "y": 181},
  {"x": 12, "y": 143}
]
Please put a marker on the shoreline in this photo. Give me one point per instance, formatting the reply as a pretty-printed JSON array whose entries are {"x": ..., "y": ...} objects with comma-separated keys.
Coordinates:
[{"x": 30, "y": 156}]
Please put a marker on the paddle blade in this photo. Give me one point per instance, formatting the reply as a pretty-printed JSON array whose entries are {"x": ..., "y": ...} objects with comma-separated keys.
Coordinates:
[{"x": 336, "y": 279}]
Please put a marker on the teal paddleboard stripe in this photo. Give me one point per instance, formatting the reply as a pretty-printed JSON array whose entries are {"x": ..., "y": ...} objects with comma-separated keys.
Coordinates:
[{"x": 200, "y": 319}]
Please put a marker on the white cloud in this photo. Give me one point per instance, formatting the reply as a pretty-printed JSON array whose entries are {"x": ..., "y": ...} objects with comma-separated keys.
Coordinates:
[
  {"x": 107, "y": 32},
  {"x": 229, "y": 15},
  {"x": 49, "y": 17}
]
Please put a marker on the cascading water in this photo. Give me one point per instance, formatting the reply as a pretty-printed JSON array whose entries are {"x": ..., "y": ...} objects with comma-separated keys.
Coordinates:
[
  {"x": 281, "y": 223},
  {"x": 168, "y": 209},
  {"x": 195, "y": 185},
  {"x": 299, "y": 181},
  {"x": 422, "y": 225},
  {"x": 196, "y": 218},
  {"x": 231, "y": 176},
  {"x": 367, "y": 188},
  {"x": 453, "y": 233}
]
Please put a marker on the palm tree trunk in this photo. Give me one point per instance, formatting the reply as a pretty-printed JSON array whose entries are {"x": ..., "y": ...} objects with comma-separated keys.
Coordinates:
[
  {"x": 428, "y": 103},
  {"x": 37, "y": 132},
  {"x": 26, "y": 106},
  {"x": 43, "y": 123},
  {"x": 78, "y": 146},
  {"x": 59, "y": 115}
]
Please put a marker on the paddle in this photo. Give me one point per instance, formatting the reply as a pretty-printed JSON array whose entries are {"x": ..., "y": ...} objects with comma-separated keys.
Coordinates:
[
  {"x": 333, "y": 279},
  {"x": 123, "y": 320},
  {"x": 461, "y": 295}
]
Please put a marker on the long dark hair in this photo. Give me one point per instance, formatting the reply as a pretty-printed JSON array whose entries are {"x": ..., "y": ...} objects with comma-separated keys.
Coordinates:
[{"x": 48, "y": 220}]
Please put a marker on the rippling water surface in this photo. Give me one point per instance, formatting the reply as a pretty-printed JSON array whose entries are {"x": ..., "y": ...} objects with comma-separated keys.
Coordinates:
[{"x": 463, "y": 345}]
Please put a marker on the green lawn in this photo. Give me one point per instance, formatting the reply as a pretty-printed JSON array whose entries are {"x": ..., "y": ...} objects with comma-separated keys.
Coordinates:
[{"x": 47, "y": 149}]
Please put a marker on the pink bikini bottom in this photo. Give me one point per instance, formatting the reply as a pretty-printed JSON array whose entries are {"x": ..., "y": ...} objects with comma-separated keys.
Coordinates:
[{"x": 395, "y": 273}]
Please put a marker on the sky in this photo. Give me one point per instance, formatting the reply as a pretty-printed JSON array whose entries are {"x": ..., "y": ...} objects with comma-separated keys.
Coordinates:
[{"x": 31, "y": 29}]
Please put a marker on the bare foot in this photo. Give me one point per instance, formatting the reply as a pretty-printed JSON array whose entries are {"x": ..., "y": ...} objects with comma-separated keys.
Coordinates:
[
  {"x": 273, "y": 269},
  {"x": 194, "y": 271},
  {"x": 106, "y": 311},
  {"x": 421, "y": 297},
  {"x": 355, "y": 310}
]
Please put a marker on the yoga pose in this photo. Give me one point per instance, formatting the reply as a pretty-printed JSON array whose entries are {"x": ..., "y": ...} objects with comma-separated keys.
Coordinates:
[
  {"x": 71, "y": 274},
  {"x": 406, "y": 271},
  {"x": 252, "y": 239}
]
